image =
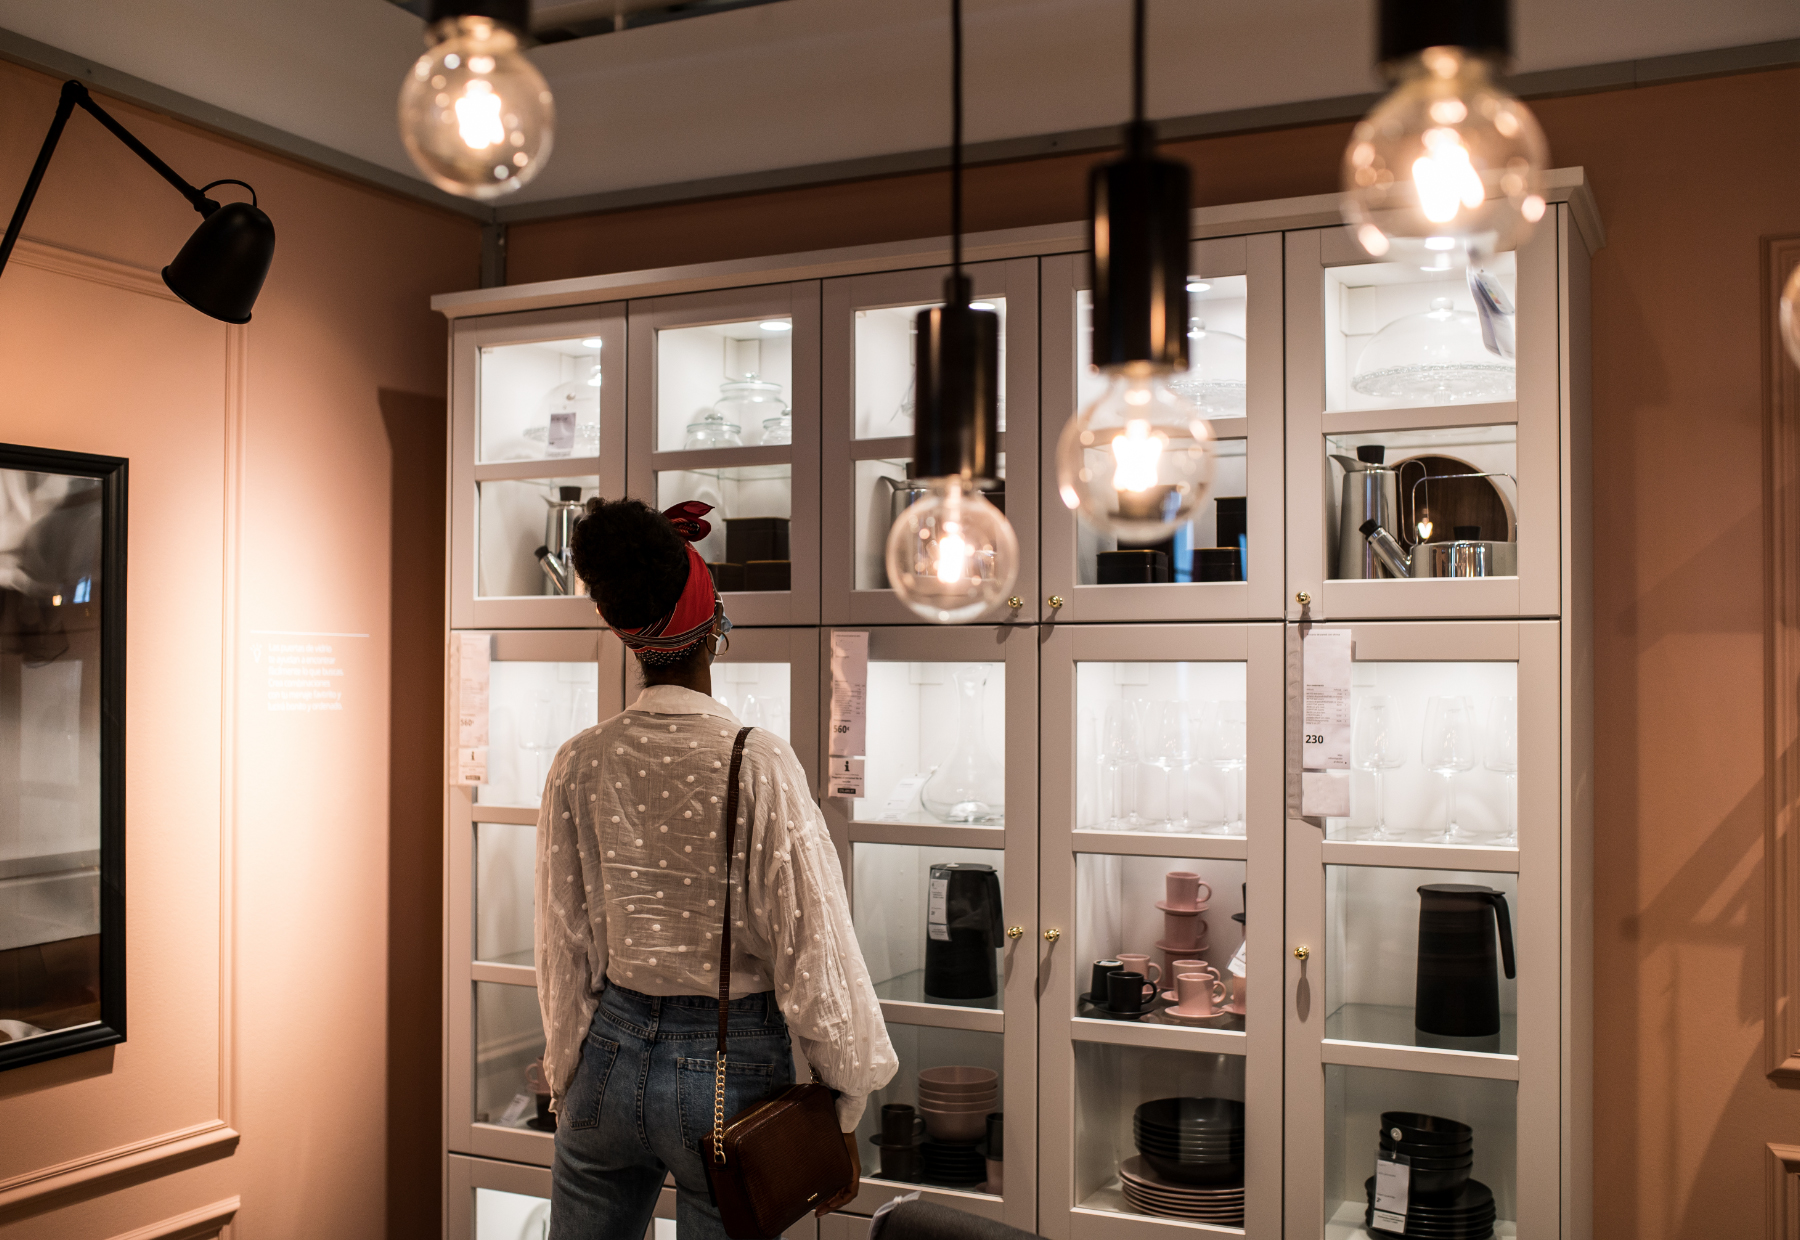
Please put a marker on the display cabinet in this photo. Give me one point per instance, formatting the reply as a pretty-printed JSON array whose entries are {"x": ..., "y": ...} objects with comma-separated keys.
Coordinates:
[
  {"x": 1226, "y": 564},
  {"x": 868, "y": 364},
  {"x": 534, "y": 432},
  {"x": 725, "y": 410},
  {"x": 940, "y": 858}
]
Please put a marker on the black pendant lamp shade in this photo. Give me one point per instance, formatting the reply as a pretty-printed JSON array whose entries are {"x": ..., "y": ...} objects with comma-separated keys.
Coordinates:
[
  {"x": 221, "y": 269},
  {"x": 1479, "y": 27},
  {"x": 513, "y": 13},
  {"x": 1138, "y": 252},
  {"x": 956, "y": 408}
]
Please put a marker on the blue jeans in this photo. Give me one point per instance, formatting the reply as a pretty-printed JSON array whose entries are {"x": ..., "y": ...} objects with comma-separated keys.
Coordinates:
[{"x": 641, "y": 1101}]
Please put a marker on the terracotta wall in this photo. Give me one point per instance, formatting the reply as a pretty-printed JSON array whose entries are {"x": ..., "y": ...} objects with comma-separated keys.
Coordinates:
[
  {"x": 1689, "y": 177},
  {"x": 284, "y": 890}
]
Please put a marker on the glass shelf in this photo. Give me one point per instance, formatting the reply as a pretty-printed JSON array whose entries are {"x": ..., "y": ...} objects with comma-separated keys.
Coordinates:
[
  {"x": 924, "y": 943},
  {"x": 1111, "y": 1084},
  {"x": 1409, "y": 796},
  {"x": 936, "y": 741},
  {"x": 1118, "y": 911},
  {"x": 1391, "y": 340},
  {"x": 955, "y": 1137},
  {"x": 1355, "y": 1099},
  {"x": 505, "y": 857},
  {"x": 1160, "y": 747},
  {"x": 1433, "y": 496},
  {"x": 1372, "y": 918},
  {"x": 509, "y": 1036},
  {"x": 512, "y": 523},
  {"x": 885, "y": 342},
  {"x": 539, "y": 400},
  {"x": 510, "y": 1216},
  {"x": 753, "y": 555},
  {"x": 532, "y": 709},
  {"x": 882, "y": 492},
  {"x": 694, "y": 365},
  {"x": 759, "y": 694}
]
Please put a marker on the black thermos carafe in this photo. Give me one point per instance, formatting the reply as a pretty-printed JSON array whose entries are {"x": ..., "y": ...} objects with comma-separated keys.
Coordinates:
[
  {"x": 963, "y": 928},
  {"x": 1459, "y": 980}
]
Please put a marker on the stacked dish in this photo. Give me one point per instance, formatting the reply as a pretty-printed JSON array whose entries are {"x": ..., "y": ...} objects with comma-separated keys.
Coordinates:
[
  {"x": 1443, "y": 1203},
  {"x": 1192, "y": 1140},
  {"x": 1221, "y": 1205},
  {"x": 1467, "y": 1214},
  {"x": 956, "y": 1102},
  {"x": 958, "y": 1164}
]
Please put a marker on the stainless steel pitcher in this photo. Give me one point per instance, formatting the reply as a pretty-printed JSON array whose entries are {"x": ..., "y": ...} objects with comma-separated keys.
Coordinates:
[
  {"x": 1370, "y": 494},
  {"x": 555, "y": 557}
]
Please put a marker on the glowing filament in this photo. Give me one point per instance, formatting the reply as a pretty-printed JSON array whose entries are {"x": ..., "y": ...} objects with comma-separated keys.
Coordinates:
[
  {"x": 1136, "y": 452},
  {"x": 478, "y": 117},
  {"x": 1445, "y": 178},
  {"x": 951, "y": 553}
]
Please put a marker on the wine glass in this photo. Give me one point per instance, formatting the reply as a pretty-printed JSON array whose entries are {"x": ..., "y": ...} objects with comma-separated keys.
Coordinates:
[
  {"x": 1448, "y": 749},
  {"x": 1120, "y": 751},
  {"x": 1375, "y": 747},
  {"x": 1168, "y": 751},
  {"x": 1227, "y": 748},
  {"x": 539, "y": 738},
  {"x": 1501, "y": 754}
]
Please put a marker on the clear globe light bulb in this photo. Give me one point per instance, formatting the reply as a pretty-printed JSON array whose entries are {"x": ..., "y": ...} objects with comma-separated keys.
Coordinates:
[
  {"x": 1790, "y": 315},
  {"x": 475, "y": 114},
  {"x": 1448, "y": 161},
  {"x": 1137, "y": 461},
  {"x": 952, "y": 555}
]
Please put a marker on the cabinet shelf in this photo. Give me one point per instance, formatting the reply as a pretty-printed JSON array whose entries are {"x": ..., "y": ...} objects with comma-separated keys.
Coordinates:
[
  {"x": 1106, "y": 1216},
  {"x": 504, "y": 974},
  {"x": 1146, "y": 844},
  {"x": 706, "y": 459},
  {"x": 1421, "y": 856},
  {"x": 1429, "y": 418},
  {"x": 924, "y": 834},
  {"x": 1426, "y": 1059},
  {"x": 1164, "y": 1037},
  {"x": 943, "y": 1016}
]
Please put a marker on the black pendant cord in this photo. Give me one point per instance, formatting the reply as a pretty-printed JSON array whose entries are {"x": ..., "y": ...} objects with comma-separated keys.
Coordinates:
[
  {"x": 956, "y": 139},
  {"x": 1139, "y": 138},
  {"x": 75, "y": 95}
]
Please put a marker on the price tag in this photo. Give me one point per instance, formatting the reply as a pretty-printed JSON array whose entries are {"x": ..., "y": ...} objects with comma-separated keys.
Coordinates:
[
  {"x": 471, "y": 765},
  {"x": 937, "y": 910},
  {"x": 1393, "y": 1178},
  {"x": 562, "y": 434},
  {"x": 846, "y": 777},
  {"x": 901, "y": 798},
  {"x": 1325, "y": 724},
  {"x": 469, "y": 672},
  {"x": 849, "y": 694}
]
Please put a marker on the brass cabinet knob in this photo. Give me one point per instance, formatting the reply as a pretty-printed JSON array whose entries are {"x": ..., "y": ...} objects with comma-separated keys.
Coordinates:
[
  {"x": 1015, "y": 602},
  {"x": 1013, "y": 932},
  {"x": 1301, "y": 953},
  {"x": 1052, "y": 934},
  {"x": 1302, "y": 598},
  {"x": 1055, "y": 600}
]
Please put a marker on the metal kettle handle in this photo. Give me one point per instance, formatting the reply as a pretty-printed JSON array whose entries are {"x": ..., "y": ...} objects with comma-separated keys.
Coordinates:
[{"x": 1504, "y": 919}]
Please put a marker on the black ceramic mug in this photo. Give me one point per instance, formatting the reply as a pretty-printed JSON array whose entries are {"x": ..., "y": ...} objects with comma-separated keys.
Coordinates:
[
  {"x": 1097, "y": 987},
  {"x": 901, "y": 1125},
  {"x": 1127, "y": 991}
]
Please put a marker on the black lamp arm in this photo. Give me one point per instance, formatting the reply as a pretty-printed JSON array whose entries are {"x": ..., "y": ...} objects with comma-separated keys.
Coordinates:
[{"x": 75, "y": 95}]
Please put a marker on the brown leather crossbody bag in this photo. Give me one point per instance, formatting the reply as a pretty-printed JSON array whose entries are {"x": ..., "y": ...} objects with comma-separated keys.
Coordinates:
[{"x": 778, "y": 1158}]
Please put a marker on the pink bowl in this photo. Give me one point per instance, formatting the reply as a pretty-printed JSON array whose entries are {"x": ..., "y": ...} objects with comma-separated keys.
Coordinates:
[
  {"x": 971, "y": 1126},
  {"x": 984, "y": 1105},
  {"x": 959, "y": 1079}
]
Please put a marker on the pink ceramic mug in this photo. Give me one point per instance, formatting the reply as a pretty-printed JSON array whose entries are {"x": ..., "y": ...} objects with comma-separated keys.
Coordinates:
[
  {"x": 1140, "y": 964},
  {"x": 1178, "y": 967},
  {"x": 1183, "y": 890},
  {"x": 1237, "y": 992},
  {"x": 1199, "y": 993}
]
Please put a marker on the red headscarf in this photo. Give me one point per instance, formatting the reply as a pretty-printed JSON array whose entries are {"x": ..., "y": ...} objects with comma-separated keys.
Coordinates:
[{"x": 695, "y": 613}]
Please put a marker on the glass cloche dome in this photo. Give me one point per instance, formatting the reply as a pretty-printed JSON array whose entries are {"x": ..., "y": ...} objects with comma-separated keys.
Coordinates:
[
  {"x": 1435, "y": 358},
  {"x": 1214, "y": 379},
  {"x": 581, "y": 398}
]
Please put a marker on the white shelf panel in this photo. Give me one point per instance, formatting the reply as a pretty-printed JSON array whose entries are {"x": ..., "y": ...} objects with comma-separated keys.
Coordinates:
[
  {"x": 1428, "y": 418},
  {"x": 504, "y": 974},
  {"x": 1163, "y": 1037},
  {"x": 1149, "y": 844},
  {"x": 926, "y": 834},
  {"x": 1420, "y": 1059},
  {"x": 943, "y": 1016},
  {"x": 1421, "y": 856}
]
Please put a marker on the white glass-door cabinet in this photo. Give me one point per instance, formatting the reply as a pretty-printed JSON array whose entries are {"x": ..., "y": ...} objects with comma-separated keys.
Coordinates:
[
  {"x": 868, "y": 359},
  {"x": 1225, "y": 564},
  {"x": 1162, "y": 781},
  {"x": 725, "y": 410},
  {"x": 941, "y": 862},
  {"x": 534, "y": 432}
]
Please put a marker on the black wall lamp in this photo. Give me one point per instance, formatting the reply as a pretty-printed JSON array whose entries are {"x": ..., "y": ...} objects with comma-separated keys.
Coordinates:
[{"x": 221, "y": 269}]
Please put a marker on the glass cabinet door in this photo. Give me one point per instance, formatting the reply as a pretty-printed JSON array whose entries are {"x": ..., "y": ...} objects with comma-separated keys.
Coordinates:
[
  {"x": 868, "y": 359},
  {"x": 940, "y": 859},
  {"x": 769, "y": 679},
  {"x": 1161, "y": 1075},
  {"x": 727, "y": 412},
  {"x": 535, "y": 433},
  {"x": 543, "y": 688},
  {"x": 1227, "y": 562},
  {"x": 1424, "y": 977},
  {"x": 1425, "y": 397},
  {"x": 490, "y": 1200}
]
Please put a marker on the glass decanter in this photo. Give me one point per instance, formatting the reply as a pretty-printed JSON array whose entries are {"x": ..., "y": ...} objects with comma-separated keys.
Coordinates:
[{"x": 968, "y": 786}]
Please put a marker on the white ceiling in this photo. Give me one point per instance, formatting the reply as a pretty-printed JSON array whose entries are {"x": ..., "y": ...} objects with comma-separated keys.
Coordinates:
[{"x": 812, "y": 81}]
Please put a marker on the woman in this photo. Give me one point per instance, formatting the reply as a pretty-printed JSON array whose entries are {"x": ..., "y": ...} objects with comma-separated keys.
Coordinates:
[{"x": 631, "y": 874}]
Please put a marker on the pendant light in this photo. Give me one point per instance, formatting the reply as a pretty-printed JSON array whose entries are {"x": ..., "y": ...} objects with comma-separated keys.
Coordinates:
[
  {"x": 1450, "y": 160},
  {"x": 1138, "y": 461},
  {"x": 952, "y": 555},
  {"x": 475, "y": 114}
]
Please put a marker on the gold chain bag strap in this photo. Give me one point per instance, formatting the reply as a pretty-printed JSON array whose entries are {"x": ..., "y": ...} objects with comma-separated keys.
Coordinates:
[{"x": 780, "y": 1157}]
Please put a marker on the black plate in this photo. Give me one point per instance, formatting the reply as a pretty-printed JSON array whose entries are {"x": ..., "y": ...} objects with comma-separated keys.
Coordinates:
[
  {"x": 1422, "y": 1129},
  {"x": 1475, "y": 1200}
]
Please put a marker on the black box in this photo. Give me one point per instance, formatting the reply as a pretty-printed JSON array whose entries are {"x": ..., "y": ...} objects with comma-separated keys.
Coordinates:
[
  {"x": 726, "y": 576},
  {"x": 1217, "y": 564},
  {"x": 756, "y": 538},
  {"x": 1233, "y": 521},
  {"x": 769, "y": 574},
  {"x": 1135, "y": 567}
]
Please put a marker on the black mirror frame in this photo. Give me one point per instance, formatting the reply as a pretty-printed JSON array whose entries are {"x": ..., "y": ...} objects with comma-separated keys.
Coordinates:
[{"x": 109, "y": 1030}]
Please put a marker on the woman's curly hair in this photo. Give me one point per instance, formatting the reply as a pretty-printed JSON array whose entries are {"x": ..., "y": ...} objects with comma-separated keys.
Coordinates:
[{"x": 632, "y": 561}]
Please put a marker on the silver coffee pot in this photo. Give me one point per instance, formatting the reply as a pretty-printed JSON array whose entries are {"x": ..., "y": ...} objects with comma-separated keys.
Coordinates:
[
  {"x": 1370, "y": 494},
  {"x": 1464, "y": 554},
  {"x": 556, "y": 556}
]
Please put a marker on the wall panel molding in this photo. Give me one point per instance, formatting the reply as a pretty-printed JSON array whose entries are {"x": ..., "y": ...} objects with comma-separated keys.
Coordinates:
[
  {"x": 201, "y": 1223},
  {"x": 1781, "y": 822},
  {"x": 61, "y": 1177},
  {"x": 1783, "y": 1196},
  {"x": 83, "y": 266}
]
